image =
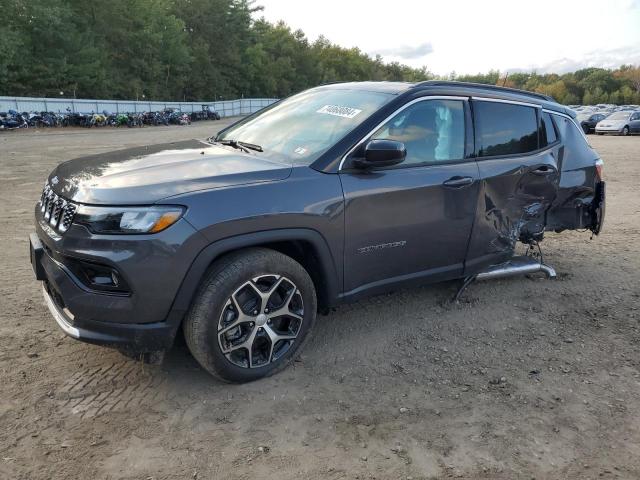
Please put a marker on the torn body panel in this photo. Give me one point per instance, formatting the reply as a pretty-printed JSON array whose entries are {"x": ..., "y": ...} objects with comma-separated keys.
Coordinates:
[
  {"x": 515, "y": 195},
  {"x": 580, "y": 202},
  {"x": 520, "y": 198}
]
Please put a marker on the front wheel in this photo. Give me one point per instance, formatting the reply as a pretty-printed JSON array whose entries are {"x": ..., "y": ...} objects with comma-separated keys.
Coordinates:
[
  {"x": 625, "y": 131},
  {"x": 252, "y": 315}
]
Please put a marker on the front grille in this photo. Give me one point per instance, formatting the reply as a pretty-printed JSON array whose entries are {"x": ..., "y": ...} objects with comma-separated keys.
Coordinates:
[{"x": 56, "y": 211}]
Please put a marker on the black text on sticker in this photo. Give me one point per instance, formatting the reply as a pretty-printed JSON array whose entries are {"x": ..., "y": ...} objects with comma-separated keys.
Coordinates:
[{"x": 338, "y": 111}]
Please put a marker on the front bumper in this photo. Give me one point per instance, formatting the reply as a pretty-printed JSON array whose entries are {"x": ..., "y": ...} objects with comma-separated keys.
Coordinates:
[
  {"x": 611, "y": 130},
  {"x": 56, "y": 285},
  {"x": 137, "y": 338},
  {"x": 142, "y": 320}
]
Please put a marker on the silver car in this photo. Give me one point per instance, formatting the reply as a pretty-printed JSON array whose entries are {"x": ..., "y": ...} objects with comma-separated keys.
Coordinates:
[{"x": 620, "y": 123}]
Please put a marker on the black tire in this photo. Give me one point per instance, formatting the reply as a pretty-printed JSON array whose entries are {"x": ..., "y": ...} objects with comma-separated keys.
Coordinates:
[
  {"x": 586, "y": 129},
  {"x": 625, "y": 131},
  {"x": 223, "y": 280}
]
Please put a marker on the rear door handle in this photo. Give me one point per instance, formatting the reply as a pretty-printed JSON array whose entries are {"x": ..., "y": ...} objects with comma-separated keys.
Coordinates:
[
  {"x": 543, "y": 170},
  {"x": 458, "y": 182}
]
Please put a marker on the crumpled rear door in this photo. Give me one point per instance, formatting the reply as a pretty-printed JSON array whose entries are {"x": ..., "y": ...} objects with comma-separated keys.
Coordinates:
[{"x": 515, "y": 195}]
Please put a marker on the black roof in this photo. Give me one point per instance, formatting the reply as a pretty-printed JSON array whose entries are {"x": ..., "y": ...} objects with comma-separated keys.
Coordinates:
[
  {"x": 382, "y": 87},
  {"x": 458, "y": 88},
  {"x": 484, "y": 87}
]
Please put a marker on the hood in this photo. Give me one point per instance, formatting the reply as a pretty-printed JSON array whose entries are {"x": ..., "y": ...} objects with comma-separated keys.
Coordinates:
[
  {"x": 144, "y": 175},
  {"x": 612, "y": 123}
]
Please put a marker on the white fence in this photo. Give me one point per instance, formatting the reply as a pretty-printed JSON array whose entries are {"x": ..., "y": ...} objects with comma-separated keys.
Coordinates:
[{"x": 226, "y": 108}]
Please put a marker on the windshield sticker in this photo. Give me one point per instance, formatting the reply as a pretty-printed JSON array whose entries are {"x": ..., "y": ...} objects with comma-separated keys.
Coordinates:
[{"x": 338, "y": 111}]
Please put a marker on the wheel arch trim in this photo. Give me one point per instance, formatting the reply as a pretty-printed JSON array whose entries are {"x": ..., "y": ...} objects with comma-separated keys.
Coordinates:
[{"x": 215, "y": 250}]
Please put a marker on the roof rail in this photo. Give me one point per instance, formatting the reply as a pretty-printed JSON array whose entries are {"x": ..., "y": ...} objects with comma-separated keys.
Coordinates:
[{"x": 483, "y": 86}]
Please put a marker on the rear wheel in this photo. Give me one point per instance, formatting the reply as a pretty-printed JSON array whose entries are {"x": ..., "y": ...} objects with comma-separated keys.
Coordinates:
[{"x": 253, "y": 313}]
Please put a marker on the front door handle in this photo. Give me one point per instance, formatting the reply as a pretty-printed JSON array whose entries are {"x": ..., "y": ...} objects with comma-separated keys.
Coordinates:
[{"x": 458, "y": 182}]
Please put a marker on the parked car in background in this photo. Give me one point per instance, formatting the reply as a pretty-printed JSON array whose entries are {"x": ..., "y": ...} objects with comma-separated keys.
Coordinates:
[
  {"x": 588, "y": 121},
  {"x": 336, "y": 193},
  {"x": 620, "y": 123}
]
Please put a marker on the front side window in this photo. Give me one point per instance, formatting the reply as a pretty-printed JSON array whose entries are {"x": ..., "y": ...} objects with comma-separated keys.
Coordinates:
[
  {"x": 302, "y": 127},
  {"x": 432, "y": 131},
  {"x": 505, "y": 128}
]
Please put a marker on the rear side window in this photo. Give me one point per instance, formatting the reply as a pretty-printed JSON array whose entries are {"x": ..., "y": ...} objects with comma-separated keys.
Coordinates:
[
  {"x": 505, "y": 129},
  {"x": 548, "y": 134}
]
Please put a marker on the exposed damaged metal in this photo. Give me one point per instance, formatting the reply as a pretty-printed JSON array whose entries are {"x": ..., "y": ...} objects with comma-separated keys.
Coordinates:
[{"x": 517, "y": 265}]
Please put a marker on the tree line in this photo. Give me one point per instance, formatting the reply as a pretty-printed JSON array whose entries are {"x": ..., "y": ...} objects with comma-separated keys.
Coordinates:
[{"x": 209, "y": 49}]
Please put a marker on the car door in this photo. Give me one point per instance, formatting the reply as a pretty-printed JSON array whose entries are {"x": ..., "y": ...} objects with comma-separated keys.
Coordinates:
[
  {"x": 412, "y": 221},
  {"x": 596, "y": 118},
  {"x": 634, "y": 124},
  {"x": 519, "y": 178}
]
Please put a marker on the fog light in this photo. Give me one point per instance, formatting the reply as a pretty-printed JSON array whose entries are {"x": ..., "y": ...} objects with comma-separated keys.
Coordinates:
[
  {"x": 98, "y": 277},
  {"x": 102, "y": 276},
  {"x": 104, "y": 280}
]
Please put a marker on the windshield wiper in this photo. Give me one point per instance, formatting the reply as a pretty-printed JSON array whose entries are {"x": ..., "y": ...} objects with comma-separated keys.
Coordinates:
[{"x": 244, "y": 146}]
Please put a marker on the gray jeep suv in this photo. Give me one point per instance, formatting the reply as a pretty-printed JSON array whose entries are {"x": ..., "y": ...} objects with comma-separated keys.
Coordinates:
[{"x": 335, "y": 193}]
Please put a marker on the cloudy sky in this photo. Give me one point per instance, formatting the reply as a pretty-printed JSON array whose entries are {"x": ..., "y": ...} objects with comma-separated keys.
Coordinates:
[{"x": 471, "y": 36}]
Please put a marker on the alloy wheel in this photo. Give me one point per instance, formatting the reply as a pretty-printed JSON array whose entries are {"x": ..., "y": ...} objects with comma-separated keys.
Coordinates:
[{"x": 260, "y": 321}]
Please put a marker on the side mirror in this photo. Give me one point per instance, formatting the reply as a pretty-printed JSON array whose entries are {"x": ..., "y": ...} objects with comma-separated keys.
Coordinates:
[{"x": 381, "y": 153}]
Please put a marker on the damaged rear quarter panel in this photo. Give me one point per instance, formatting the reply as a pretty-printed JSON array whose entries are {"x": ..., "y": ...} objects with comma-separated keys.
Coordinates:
[{"x": 572, "y": 209}]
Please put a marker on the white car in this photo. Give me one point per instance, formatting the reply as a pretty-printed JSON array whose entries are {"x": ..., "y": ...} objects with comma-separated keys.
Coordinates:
[{"x": 620, "y": 123}]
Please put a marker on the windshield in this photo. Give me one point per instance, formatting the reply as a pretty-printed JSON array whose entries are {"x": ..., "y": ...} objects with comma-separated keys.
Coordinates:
[
  {"x": 304, "y": 126},
  {"x": 619, "y": 116}
]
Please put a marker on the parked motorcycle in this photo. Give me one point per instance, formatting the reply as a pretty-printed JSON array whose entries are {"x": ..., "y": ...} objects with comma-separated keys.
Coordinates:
[{"x": 12, "y": 120}]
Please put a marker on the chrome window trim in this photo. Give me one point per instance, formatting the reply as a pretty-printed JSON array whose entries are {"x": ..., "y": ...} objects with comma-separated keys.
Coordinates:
[
  {"x": 501, "y": 100},
  {"x": 553, "y": 112},
  {"x": 396, "y": 112},
  {"x": 570, "y": 118},
  {"x": 442, "y": 97}
]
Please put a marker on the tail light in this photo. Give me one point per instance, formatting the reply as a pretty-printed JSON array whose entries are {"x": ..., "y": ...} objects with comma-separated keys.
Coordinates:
[{"x": 599, "y": 169}]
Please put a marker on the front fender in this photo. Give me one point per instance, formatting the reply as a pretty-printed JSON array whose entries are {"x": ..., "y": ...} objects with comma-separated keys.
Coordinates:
[{"x": 330, "y": 273}]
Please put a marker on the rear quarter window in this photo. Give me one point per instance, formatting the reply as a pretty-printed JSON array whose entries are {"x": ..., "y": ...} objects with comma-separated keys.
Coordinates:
[
  {"x": 578, "y": 153},
  {"x": 505, "y": 129},
  {"x": 548, "y": 134}
]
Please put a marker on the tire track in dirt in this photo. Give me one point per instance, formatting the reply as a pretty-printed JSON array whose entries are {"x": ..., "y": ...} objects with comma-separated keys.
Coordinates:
[{"x": 114, "y": 386}]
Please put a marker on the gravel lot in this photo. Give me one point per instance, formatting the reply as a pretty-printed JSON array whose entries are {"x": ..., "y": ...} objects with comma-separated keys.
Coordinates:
[{"x": 523, "y": 378}]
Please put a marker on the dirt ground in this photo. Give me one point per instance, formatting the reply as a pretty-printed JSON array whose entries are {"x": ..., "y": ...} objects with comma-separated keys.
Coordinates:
[{"x": 523, "y": 378}]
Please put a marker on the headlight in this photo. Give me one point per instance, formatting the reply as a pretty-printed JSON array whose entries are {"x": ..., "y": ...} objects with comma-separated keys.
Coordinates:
[{"x": 120, "y": 220}]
